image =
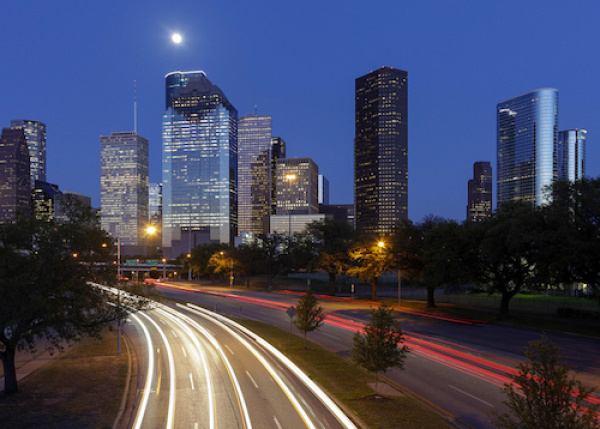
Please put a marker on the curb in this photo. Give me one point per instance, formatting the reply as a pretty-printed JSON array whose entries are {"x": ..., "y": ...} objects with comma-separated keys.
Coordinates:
[{"x": 127, "y": 386}]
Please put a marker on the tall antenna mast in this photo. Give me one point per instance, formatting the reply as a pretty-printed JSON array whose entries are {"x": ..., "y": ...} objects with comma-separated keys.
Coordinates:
[{"x": 135, "y": 106}]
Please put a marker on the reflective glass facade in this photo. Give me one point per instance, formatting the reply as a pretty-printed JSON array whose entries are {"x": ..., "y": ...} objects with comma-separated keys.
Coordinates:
[
  {"x": 199, "y": 163},
  {"x": 35, "y": 135},
  {"x": 571, "y": 154},
  {"x": 254, "y": 173},
  {"x": 15, "y": 185},
  {"x": 479, "y": 205},
  {"x": 124, "y": 189},
  {"x": 381, "y": 150},
  {"x": 527, "y": 134}
]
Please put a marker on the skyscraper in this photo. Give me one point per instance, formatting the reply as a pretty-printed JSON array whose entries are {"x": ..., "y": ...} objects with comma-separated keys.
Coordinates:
[
  {"x": 44, "y": 199},
  {"x": 479, "y": 205},
  {"x": 571, "y": 154},
  {"x": 124, "y": 189},
  {"x": 199, "y": 163},
  {"x": 527, "y": 130},
  {"x": 323, "y": 190},
  {"x": 381, "y": 150},
  {"x": 297, "y": 186},
  {"x": 35, "y": 135},
  {"x": 14, "y": 174},
  {"x": 278, "y": 150},
  {"x": 254, "y": 172}
]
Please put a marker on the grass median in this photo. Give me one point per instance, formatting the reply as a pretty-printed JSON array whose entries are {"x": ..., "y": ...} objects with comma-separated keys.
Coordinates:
[
  {"x": 81, "y": 388},
  {"x": 350, "y": 384}
]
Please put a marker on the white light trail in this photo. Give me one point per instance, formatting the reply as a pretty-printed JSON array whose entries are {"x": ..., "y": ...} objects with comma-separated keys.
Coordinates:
[{"x": 146, "y": 395}]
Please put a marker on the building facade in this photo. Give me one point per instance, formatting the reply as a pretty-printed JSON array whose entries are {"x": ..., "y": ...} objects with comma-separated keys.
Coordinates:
[
  {"x": 278, "y": 151},
  {"x": 527, "y": 134},
  {"x": 199, "y": 164},
  {"x": 479, "y": 206},
  {"x": 15, "y": 184},
  {"x": 44, "y": 198},
  {"x": 124, "y": 189},
  {"x": 254, "y": 172},
  {"x": 35, "y": 135},
  {"x": 297, "y": 186},
  {"x": 323, "y": 190},
  {"x": 571, "y": 152},
  {"x": 381, "y": 150}
]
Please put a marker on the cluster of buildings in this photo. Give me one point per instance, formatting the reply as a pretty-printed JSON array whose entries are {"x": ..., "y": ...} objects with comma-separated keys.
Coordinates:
[{"x": 227, "y": 179}]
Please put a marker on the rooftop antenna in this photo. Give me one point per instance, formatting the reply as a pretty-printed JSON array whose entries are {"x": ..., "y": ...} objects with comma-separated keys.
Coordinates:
[{"x": 135, "y": 106}]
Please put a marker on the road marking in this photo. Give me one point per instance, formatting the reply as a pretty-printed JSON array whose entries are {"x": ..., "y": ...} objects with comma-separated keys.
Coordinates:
[
  {"x": 196, "y": 425},
  {"x": 192, "y": 381},
  {"x": 471, "y": 396},
  {"x": 174, "y": 333},
  {"x": 162, "y": 321},
  {"x": 277, "y": 423},
  {"x": 230, "y": 351},
  {"x": 330, "y": 336},
  {"x": 183, "y": 349},
  {"x": 252, "y": 380}
]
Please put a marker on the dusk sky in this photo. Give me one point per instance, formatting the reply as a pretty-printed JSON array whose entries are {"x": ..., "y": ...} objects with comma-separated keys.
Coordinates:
[{"x": 72, "y": 65}]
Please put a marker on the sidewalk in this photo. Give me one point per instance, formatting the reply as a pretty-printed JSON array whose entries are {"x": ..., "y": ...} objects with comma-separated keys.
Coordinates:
[{"x": 32, "y": 365}]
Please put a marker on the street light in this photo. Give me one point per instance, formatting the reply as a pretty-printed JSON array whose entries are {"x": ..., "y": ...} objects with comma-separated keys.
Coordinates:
[
  {"x": 151, "y": 230},
  {"x": 189, "y": 256},
  {"x": 164, "y": 261},
  {"x": 381, "y": 245}
]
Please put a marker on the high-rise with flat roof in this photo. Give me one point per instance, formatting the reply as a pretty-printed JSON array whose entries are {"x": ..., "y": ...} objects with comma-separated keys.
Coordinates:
[
  {"x": 124, "y": 189},
  {"x": 571, "y": 154},
  {"x": 479, "y": 205},
  {"x": 15, "y": 182},
  {"x": 199, "y": 164},
  {"x": 297, "y": 186},
  {"x": 527, "y": 134},
  {"x": 35, "y": 135},
  {"x": 381, "y": 150},
  {"x": 254, "y": 172}
]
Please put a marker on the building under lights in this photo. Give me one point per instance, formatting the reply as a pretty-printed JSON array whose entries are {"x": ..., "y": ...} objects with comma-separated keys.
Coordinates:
[
  {"x": 571, "y": 154},
  {"x": 479, "y": 205},
  {"x": 15, "y": 175},
  {"x": 199, "y": 164},
  {"x": 124, "y": 190},
  {"x": 35, "y": 135}
]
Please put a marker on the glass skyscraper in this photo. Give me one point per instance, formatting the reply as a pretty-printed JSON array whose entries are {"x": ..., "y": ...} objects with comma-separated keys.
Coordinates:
[
  {"x": 571, "y": 154},
  {"x": 15, "y": 187},
  {"x": 381, "y": 150},
  {"x": 199, "y": 164},
  {"x": 479, "y": 205},
  {"x": 527, "y": 134},
  {"x": 35, "y": 135},
  {"x": 124, "y": 189},
  {"x": 254, "y": 173}
]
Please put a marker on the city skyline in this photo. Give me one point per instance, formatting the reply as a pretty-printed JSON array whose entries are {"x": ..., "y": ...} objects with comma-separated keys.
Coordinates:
[{"x": 304, "y": 79}]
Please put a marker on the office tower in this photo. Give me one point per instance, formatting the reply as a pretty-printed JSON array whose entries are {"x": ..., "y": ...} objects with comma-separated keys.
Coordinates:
[
  {"x": 277, "y": 152},
  {"x": 14, "y": 175},
  {"x": 381, "y": 150},
  {"x": 124, "y": 189},
  {"x": 69, "y": 198},
  {"x": 254, "y": 173},
  {"x": 479, "y": 204},
  {"x": 323, "y": 190},
  {"x": 199, "y": 164},
  {"x": 35, "y": 135},
  {"x": 527, "y": 127},
  {"x": 155, "y": 204},
  {"x": 44, "y": 197},
  {"x": 571, "y": 154},
  {"x": 297, "y": 186}
]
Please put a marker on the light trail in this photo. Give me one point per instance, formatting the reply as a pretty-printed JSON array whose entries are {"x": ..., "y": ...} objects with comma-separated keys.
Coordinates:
[
  {"x": 310, "y": 384},
  {"x": 142, "y": 409},
  {"x": 171, "y": 409}
]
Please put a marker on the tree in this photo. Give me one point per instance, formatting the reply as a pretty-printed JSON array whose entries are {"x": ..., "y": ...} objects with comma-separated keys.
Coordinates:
[
  {"x": 223, "y": 262},
  {"x": 272, "y": 257},
  {"x": 543, "y": 396},
  {"x": 380, "y": 347},
  {"x": 333, "y": 239},
  {"x": 369, "y": 261},
  {"x": 44, "y": 291},
  {"x": 309, "y": 315},
  {"x": 201, "y": 255}
]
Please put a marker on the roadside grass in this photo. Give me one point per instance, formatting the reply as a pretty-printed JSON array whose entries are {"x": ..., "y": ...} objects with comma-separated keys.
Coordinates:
[
  {"x": 81, "y": 388},
  {"x": 349, "y": 383}
]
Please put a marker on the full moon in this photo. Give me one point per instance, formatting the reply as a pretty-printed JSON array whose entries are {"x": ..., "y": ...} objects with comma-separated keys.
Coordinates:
[{"x": 176, "y": 38}]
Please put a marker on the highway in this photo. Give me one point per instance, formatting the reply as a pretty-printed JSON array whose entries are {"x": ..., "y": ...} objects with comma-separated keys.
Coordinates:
[
  {"x": 458, "y": 366},
  {"x": 201, "y": 370}
]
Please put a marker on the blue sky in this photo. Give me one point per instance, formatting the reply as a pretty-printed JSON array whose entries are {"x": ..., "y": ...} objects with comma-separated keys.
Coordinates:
[{"x": 72, "y": 64}]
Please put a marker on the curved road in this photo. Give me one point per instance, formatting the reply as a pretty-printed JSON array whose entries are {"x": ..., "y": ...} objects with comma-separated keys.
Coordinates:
[{"x": 201, "y": 370}]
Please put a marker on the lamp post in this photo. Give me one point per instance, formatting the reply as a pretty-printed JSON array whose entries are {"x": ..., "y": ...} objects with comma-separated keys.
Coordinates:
[
  {"x": 151, "y": 230},
  {"x": 381, "y": 245},
  {"x": 189, "y": 256},
  {"x": 164, "y": 261},
  {"x": 290, "y": 178}
]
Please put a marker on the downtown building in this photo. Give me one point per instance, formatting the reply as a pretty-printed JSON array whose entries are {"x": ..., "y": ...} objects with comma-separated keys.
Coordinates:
[
  {"x": 571, "y": 152},
  {"x": 479, "y": 206},
  {"x": 124, "y": 190},
  {"x": 35, "y": 136},
  {"x": 527, "y": 136},
  {"x": 381, "y": 151},
  {"x": 199, "y": 164},
  {"x": 15, "y": 183},
  {"x": 254, "y": 174}
]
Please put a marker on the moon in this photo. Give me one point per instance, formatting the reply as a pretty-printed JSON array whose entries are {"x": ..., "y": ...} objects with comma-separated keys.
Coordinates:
[{"x": 176, "y": 38}]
